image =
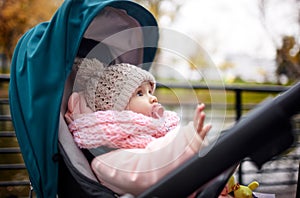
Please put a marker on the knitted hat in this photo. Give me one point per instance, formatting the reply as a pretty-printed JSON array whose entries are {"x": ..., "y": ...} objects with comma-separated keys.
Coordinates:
[{"x": 111, "y": 87}]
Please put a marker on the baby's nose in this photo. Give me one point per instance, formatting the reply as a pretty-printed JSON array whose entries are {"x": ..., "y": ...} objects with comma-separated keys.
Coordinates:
[{"x": 153, "y": 99}]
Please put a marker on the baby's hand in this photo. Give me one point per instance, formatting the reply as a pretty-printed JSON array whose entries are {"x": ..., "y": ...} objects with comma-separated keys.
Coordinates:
[{"x": 199, "y": 118}]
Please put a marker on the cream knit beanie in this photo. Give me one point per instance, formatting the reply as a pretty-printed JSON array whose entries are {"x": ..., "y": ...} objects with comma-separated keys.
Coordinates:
[{"x": 111, "y": 87}]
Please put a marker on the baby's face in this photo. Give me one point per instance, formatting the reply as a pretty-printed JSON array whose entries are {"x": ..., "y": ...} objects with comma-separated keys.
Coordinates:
[{"x": 143, "y": 100}]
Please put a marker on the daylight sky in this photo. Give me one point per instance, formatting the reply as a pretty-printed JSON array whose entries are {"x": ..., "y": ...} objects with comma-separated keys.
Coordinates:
[{"x": 236, "y": 28}]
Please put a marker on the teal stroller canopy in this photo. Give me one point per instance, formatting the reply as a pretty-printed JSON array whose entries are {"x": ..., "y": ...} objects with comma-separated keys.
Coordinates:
[{"x": 42, "y": 62}]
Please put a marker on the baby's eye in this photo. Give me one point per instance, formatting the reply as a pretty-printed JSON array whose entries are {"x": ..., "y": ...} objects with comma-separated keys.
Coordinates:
[{"x": 139, "y": 93}]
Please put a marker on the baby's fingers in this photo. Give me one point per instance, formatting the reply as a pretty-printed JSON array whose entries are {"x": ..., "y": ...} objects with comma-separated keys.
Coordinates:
[
  {"x": 199, "y": 117},
  {"x": 205, "y": 130}
]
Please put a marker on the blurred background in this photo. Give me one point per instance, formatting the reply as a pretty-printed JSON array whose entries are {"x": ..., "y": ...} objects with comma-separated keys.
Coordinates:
[
  {"x": 252, "y": 44},
  {"x": 249, "y": 41}
]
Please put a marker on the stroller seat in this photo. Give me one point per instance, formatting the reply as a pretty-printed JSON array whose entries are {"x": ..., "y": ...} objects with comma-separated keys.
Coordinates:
[{"x": 120, "y": 39}]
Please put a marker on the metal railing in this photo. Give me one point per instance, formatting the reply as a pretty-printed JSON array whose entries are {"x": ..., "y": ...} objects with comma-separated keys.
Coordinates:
[{"x": 238, "y": 107}]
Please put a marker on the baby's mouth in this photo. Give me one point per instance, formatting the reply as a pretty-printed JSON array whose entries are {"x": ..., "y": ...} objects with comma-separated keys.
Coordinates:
[{"x": 157, "y": 111}]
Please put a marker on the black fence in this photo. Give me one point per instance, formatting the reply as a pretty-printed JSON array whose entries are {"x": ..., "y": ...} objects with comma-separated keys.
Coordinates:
[{"x": 240, "y": 99}]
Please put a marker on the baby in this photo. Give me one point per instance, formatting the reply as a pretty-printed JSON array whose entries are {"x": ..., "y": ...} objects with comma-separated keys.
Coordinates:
[{"x": 115, "y": 108}]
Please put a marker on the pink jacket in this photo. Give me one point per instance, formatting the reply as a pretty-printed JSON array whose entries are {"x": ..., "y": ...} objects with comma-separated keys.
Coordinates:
[{"x": 134, "y": 170}]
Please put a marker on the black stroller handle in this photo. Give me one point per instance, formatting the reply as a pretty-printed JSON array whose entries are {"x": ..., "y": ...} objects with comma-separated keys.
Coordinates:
[{"x": 263, "y": 133}]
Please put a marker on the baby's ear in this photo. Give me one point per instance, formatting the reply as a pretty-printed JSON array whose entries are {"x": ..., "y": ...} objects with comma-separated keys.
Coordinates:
[
  {"x": 72, "y": 107},
  {"x": 73, "y": 103},
  {"x": 76, "y": 106}
]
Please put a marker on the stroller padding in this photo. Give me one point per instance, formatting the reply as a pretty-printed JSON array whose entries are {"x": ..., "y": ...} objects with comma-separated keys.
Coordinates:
[{"x": 74, "y": 154}]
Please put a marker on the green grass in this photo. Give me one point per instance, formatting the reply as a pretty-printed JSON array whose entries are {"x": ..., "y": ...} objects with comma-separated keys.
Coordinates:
[{"x": 173, "y": 96}]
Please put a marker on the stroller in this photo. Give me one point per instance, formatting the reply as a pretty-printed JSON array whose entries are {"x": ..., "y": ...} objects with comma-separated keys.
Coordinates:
[{"x": 42, "y": 78}]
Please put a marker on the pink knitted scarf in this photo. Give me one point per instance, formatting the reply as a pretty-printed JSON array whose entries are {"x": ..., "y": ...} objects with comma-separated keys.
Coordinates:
[{"x": 120, "y": 129}]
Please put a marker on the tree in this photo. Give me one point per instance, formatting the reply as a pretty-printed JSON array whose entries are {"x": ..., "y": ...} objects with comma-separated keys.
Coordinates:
[
  {"x": 287, "y": 52},
  {"x": 17, "y": 16},
  {"x": 288, "y": 59}
]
